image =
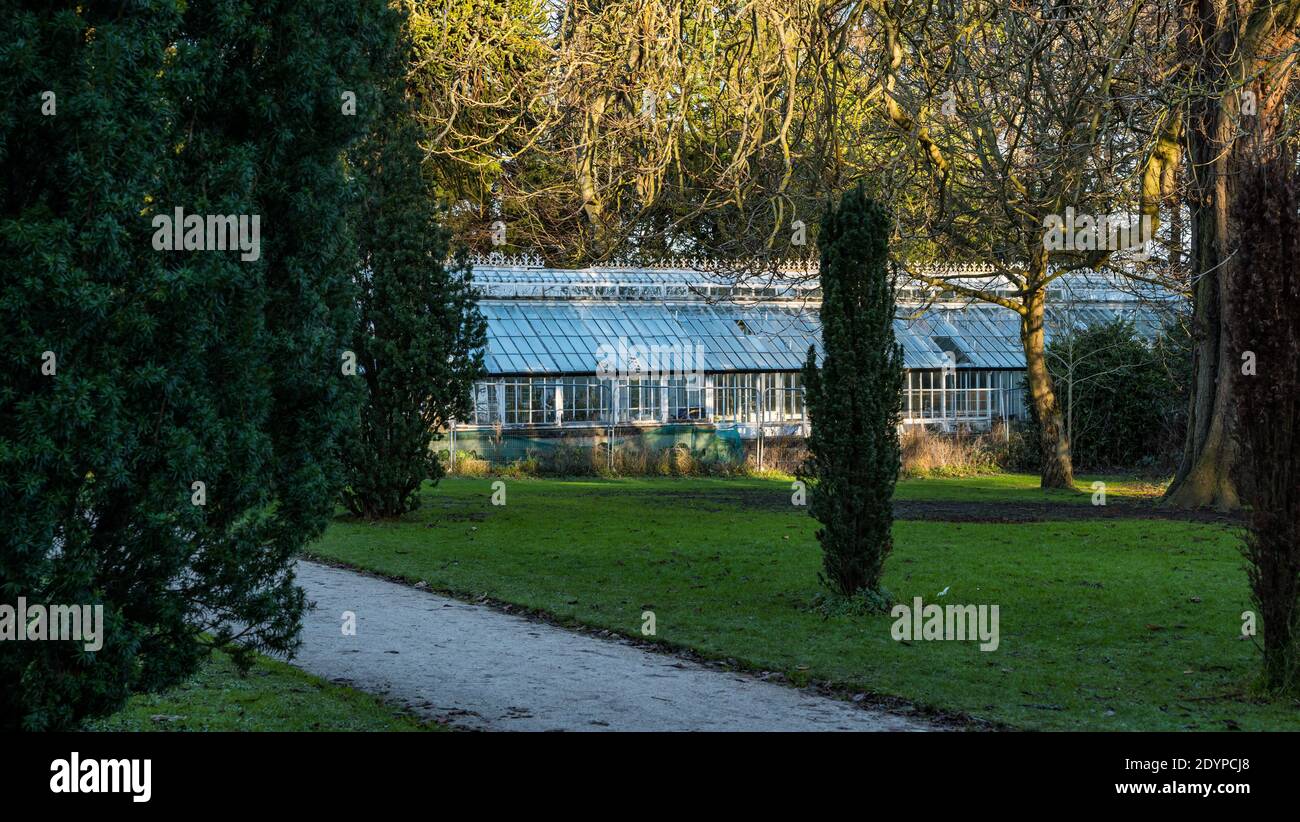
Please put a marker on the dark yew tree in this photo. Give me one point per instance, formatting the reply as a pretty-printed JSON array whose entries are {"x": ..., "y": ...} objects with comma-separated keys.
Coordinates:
[
  {"x": 419, "y": 339},
  {"x": 1264, "y": 329},
  {"x": 854, "y": 399},
  {"x": 170, "y": 420}
]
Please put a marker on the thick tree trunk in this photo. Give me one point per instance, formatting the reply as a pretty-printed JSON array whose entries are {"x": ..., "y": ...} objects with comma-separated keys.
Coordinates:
[
  {"x": 1221, "y": 138},
  {"x": 1204, "y": 477},
  {"x": 1053, "y": 442},
  {"x": 1265, "y": 318}
]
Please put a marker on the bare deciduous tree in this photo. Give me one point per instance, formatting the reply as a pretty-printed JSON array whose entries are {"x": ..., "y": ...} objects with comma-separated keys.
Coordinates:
[{"x": 1022, "y": 114}]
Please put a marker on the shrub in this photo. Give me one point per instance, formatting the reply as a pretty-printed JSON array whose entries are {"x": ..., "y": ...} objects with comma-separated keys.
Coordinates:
[
  {"x": 1119, "y": 394},
  {"x": 468, "y": 464},
  {"x": 784, "y": 456},
  {"x": 965, "y": 453},
  {"x": 927, "y": 454}
]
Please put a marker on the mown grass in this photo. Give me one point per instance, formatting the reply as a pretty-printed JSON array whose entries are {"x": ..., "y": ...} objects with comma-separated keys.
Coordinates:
[
  {"x": 1004, "y": 488},
  {"x": 1115, "y": 624},
  {"x": 272, "y": 697}
]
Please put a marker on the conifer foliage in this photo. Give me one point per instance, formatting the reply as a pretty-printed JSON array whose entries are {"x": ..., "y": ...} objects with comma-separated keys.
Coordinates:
[
  {"x": 171, "y": 415},
  {"x": 853, "y": 400},
  {"x": 419, "y": 339}
]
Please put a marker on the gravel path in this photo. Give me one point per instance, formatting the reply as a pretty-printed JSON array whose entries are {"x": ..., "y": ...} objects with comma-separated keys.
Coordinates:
[{"x": 478, "y": 668}]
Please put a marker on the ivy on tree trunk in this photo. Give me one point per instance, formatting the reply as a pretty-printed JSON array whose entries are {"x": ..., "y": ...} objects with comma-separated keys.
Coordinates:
[{"x": 1264, "y": 319}]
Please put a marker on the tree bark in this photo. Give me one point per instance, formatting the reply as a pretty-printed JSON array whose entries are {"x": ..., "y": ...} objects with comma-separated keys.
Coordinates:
[
  {"x": 1222, "y": 138},
  {"x": 1204, "y": 477},
  {"x": 1054, "y": 443}
]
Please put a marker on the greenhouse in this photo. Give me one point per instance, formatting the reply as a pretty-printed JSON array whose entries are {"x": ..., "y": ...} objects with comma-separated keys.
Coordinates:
[{"x": 678, "y": 354}]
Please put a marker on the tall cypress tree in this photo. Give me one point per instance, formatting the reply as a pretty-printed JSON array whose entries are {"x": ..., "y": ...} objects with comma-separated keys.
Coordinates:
[
  {"x": 419, "y": 339},
  {"x": 854, "y": 400},
  {"x": 170, "y": 419}
]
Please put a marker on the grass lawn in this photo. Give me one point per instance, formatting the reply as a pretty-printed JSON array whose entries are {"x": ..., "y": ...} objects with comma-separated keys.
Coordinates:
[
  {"x": 273, "y": 697},
  {"x": 997, "y": 488},
  {"x": 1115, "y": 624}
]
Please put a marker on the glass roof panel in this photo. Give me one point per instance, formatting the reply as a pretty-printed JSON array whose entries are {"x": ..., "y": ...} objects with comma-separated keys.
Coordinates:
[{"x": 561, "y": 335}]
